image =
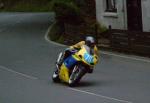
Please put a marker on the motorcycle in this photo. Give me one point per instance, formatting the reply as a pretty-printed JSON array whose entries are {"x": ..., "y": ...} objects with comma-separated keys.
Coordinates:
[{"x": 75, "y": 66}]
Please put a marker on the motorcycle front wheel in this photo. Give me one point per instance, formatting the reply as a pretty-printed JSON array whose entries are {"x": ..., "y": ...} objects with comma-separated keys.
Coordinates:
[{"x": 76, "y": 75}]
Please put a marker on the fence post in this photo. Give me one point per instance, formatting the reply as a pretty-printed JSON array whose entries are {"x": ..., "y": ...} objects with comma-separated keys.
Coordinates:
[{"x": 96, "y": 33}]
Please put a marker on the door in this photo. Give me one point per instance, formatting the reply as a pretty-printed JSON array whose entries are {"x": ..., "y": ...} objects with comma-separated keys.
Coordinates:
[{"x": 134, "y": 15}]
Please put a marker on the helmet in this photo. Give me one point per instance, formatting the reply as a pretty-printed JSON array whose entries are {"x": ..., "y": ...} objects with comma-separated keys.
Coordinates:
[{"x": 90, "y": 41}]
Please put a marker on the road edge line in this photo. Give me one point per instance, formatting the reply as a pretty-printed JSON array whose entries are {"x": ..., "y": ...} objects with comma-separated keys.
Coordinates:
[
  {"x": 21, "y": 74},
  {"x": 98, "y": 95}
]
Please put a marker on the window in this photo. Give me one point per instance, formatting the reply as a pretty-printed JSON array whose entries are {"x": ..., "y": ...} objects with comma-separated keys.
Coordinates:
[{"x": 111, "y": 6}]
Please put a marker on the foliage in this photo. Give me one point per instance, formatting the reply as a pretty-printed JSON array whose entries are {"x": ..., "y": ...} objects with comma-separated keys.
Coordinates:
[
  {"x": 26, "y": 5},
  {"x": 100, "y": 28},
  {"x": 87, "y": 7},
  {"x": 55, "y": 33},
  {"x": 67, "y": 12}
]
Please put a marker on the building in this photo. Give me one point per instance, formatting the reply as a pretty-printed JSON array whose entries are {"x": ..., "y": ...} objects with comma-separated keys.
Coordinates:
[{"x": 124, "y": 14}]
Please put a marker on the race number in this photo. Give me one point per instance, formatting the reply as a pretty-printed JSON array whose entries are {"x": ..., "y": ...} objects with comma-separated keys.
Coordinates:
[{"x": 88, "y": 58}]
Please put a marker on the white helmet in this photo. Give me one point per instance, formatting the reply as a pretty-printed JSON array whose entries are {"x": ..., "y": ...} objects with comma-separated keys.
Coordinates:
[{"x": 90, "y": 41}]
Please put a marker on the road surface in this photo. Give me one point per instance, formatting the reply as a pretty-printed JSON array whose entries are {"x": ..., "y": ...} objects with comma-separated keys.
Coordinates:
[{"x": 27, "y": 61}]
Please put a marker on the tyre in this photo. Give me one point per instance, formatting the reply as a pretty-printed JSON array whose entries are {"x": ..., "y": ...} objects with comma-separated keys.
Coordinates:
[
  {"x": 76, "y": 75},
  {"x": 55, "y": 77}
]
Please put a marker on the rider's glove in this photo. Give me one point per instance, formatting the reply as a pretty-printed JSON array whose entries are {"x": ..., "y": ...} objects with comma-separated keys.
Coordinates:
[{"x": 68, "y": 49}]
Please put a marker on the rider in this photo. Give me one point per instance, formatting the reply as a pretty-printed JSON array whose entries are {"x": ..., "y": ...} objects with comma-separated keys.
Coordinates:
[{"x": 89, "y": 41}]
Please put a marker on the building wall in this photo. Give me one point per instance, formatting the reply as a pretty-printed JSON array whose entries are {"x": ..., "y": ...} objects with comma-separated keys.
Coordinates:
[
  {"x": 119, "y": 20},
  {"x": 116, "y": 20},
  {"x": 146, "y": 15}
]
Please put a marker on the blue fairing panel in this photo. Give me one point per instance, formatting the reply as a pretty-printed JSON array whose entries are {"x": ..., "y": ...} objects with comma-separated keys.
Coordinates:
[{"x": 69, "y": 62}]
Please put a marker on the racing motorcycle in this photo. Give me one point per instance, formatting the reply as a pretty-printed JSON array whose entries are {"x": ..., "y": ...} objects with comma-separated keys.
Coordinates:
[{"x": 75, "y": 66}]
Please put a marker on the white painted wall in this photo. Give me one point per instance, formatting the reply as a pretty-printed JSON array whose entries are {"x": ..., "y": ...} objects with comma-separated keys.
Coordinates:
[
  {"x": 119, "y": 20},
  {"x": 116, "y": 20},
  {"x": 146, "y": 15}
]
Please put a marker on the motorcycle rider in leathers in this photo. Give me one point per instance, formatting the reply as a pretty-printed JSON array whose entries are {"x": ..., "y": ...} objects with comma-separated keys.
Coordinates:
[{"x": 89, "y": 41}]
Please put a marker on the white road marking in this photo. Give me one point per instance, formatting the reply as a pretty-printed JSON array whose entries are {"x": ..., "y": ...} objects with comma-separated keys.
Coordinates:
[
  {"x": 21, "y": 74},
  {"x": 48, "y": 40},
  {"x": 144, "y": 59},
  {"x": 101, "y": 96}
]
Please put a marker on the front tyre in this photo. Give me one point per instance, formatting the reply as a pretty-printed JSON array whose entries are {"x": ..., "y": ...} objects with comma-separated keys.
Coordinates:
[{"x": 76, "y": 75}]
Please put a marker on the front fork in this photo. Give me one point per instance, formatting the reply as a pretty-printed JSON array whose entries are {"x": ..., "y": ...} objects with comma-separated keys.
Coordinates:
[{"x": 59, "y": 60}]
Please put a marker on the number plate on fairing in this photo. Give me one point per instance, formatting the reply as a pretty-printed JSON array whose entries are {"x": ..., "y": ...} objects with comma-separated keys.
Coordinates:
[{"x": 88, "y": 58}]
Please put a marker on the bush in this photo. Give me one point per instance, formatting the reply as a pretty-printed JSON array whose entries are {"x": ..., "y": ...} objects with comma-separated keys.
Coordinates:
[
  {"x": 78, "y": 14},
  {"x": 100, "y": 28},
  {"x": 67, "y": 12},
  {"x": 55, "y": 32},
  {"x": 26, "y": 5}
]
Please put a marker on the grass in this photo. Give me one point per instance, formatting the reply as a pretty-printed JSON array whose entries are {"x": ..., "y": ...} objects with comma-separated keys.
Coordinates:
[
  {"x": 33, "y": 6},
  {"x": 54, "y": 34}
]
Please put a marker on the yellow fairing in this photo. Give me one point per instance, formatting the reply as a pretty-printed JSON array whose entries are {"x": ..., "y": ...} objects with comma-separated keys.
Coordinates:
[
  {"x": 95, "y": 59},
  {"x": 64, "y": 73},
  {"x": 81, "y": 53}
]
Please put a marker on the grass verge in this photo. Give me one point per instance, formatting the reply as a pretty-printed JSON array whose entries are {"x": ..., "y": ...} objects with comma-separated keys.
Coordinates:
[
  {"x": 25, "y": 6},
  {"x": 54, "y": 34}
]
